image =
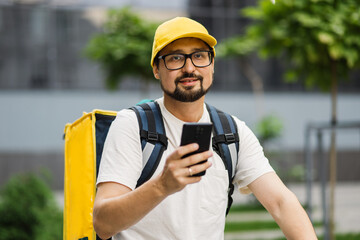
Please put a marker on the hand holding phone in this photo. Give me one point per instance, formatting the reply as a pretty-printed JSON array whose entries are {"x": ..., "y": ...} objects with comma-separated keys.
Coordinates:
[{"x": 199, "y": 133}]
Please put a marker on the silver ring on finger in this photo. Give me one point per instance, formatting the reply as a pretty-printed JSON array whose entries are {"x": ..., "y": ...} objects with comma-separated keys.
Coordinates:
[{"x": 190, "y": 171}]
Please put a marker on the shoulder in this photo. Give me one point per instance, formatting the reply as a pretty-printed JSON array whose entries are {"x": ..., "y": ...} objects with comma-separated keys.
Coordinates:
[
  {"x": 125, "y": 121},
  {"x": 126, "y": 115},
  {"x": 246, "y": 135},
  {"x": 241, "y": 125}
]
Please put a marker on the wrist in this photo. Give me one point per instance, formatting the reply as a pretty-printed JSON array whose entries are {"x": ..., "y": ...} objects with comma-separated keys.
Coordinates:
[{"x": 158, "y": 187}]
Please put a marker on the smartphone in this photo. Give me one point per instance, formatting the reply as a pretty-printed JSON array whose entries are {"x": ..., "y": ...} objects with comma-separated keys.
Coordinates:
[{"x": 199, "y": 133}]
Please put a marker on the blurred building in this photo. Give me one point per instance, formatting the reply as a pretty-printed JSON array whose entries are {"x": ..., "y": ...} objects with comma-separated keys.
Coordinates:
[
  {"x": 42, "y": 43},
  {"x": 46, "y": 81}
]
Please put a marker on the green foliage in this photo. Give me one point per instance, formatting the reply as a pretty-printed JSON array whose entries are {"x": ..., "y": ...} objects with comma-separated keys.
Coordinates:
[
  {"x": 295, "y": 173},
  {"x": 313, "y": 35},
  {"x": 124, "y": 48},
  {"x": 268, "y": 128},
  {"x": 28, "y": 210}
]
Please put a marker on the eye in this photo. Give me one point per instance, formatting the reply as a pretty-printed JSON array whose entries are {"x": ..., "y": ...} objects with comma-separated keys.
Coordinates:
[
  {"x": 175, "y": 57},
  {"x": 198, "y": 55}
]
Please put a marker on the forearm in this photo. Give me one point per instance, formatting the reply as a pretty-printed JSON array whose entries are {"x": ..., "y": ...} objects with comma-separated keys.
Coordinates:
[
  {"x": 116, "y": 207},
  {"x": 292, "y": 218},
  {"x": 114, "y": 214},
  {"x": 284, "y": 206}
]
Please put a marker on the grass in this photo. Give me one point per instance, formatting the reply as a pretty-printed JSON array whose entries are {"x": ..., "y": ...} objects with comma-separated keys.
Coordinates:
[
  {"x": 253, "y": 207},
  {"x": 250, "y": 226},
  {"x": 254, "y": 225}
]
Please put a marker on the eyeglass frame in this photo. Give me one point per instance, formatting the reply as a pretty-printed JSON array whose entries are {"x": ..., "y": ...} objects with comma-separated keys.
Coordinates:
[{"x": 186, "y": 57}]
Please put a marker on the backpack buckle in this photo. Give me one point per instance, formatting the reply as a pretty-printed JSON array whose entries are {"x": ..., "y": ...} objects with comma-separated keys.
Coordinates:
[
  {"x": 230, "y": 138},
  {"x": 151, "y": 136}
]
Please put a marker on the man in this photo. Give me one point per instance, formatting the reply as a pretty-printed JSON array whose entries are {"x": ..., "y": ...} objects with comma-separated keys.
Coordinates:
[{"x": 173, "y": 204}]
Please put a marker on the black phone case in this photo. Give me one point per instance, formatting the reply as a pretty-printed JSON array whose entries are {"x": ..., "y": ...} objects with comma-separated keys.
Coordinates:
[{"x": 199, "y": 133}]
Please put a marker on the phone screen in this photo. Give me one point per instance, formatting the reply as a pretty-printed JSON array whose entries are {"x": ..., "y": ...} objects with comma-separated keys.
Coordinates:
[{"x": 199, "y": 133}]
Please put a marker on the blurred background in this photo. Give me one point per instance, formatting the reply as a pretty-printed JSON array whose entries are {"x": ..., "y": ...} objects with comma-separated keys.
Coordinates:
[{"x": 51, "y": 71}]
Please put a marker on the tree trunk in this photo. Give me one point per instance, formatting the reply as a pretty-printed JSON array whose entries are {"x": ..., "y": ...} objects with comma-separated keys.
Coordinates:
[
  {"x": 333, "y": 158},
  {"x": 256, "y": 84}
]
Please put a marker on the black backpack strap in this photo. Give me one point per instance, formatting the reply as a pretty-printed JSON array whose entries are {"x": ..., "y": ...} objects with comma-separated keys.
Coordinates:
[
  {"x": 153, "y": 137},
  {"x": 226, "y": 144}
]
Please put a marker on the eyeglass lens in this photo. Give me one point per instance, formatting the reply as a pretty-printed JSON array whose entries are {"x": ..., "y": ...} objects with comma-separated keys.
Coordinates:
[{"x": 177, "y": 60}]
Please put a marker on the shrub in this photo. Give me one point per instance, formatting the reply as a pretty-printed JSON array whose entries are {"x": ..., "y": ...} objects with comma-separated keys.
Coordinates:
[{"x": 28, "y": 210}]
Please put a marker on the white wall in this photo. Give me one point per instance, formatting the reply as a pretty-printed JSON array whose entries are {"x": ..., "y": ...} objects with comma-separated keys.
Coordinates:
[{"x": 33, "y": 121}]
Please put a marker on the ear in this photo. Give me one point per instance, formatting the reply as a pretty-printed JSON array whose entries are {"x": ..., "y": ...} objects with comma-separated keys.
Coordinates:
[
  {"x": 213, "y": 66},
  {"x": 156, "y": 72}
]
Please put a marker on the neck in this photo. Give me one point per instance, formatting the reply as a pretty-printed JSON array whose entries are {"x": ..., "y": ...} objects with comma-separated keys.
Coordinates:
[{"x": 185, "y": 111}]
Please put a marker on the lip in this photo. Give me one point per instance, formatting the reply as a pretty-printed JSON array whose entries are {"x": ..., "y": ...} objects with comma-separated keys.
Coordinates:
[{"x": 189, "y": 81}]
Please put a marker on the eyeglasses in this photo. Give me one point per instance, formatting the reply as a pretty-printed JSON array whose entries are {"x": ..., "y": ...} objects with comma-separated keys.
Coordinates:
[{"x": 174, "y": 61}]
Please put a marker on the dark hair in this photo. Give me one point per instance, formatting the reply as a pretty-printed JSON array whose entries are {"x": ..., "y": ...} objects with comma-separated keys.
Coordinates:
[
  {"x": 210, "y": 49},
  {"x": 156, "y": 60}
]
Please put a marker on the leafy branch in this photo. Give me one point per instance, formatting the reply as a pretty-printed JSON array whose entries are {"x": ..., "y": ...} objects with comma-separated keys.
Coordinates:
[{"x": 124, "y": 46}]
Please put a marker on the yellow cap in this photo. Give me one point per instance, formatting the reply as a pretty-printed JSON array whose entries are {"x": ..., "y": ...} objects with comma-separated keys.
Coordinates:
[{"x": 179, "y": 27}]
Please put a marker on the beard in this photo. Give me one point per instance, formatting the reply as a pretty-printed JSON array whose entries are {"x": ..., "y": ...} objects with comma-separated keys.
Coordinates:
[{"x": 188, "y": 94}]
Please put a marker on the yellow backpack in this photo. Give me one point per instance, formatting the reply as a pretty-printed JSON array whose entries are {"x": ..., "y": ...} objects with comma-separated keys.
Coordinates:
[
  {"x": 84, "y": 141},
  {"x": 80, "y": 174}
]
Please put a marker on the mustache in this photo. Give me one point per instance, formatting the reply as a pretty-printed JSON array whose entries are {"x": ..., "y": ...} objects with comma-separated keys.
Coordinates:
[{"x": 188, "y": 75}]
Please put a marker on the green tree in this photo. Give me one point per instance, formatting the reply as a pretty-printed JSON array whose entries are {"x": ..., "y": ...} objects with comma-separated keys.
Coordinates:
[
  {"x": 268, "y": 128},
  {"x": 124, "y": 47},
  {"x": 28, "y": 210},
  {"x": 320, "y": 41},
  {"x": 319, "y": 38}
]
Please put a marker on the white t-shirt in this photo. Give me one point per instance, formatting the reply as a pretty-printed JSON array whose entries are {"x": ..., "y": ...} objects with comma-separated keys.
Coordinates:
[{"x": 196, "y": 212}]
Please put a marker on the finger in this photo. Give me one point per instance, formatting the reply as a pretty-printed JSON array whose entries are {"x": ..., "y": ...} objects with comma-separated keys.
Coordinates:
[
  {"x": 193, "y": 179},
  {"x": 196, "y": 158},
  {"x": 190, "y": 171},
  {"x": 198, "y": 168},
  {"x": 183, "y": 150}
]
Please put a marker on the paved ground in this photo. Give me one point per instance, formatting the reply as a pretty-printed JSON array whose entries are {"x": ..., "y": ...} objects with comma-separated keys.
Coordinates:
[{"x": 347, "y": 210}]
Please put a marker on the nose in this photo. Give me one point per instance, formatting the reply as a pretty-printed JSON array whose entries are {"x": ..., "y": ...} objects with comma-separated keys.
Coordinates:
[{"x": 189, "y": 66}]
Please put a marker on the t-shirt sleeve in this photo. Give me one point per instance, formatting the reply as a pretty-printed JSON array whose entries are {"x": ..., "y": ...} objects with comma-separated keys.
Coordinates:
[
  {"x": 252, "y": 162},
  {"x": 121, "y": 159}
]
